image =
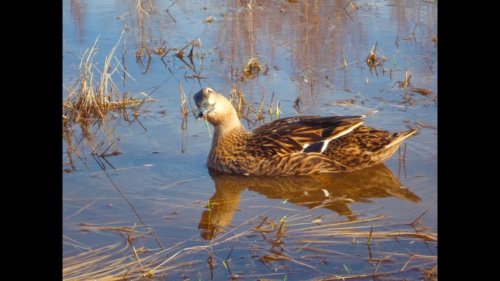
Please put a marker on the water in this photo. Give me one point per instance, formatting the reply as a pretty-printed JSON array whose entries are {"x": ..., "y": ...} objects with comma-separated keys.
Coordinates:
[{"x": 159, "y": 186}]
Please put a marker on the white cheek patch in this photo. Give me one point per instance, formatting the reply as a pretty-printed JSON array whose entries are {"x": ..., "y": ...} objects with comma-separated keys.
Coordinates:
[
  {"x": 211, "y": 100},
  {"x": 211, "y": 104}
]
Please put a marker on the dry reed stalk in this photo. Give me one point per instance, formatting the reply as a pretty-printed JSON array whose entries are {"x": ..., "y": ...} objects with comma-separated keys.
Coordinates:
[
  {"x": 184, "y": 107},
  {"x": 89, "y": 100},
  {"x": 373, "y": 60},
  {"x": 237, "y": 99}
]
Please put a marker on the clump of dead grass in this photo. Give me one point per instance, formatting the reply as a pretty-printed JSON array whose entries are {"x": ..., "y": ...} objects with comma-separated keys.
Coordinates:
[
  {"x": 89, "y": 100},
  {"x": 254, "y": 113},
  {"x": 373, "y": 60},
  {"x": 237, "y": 99},
  {"x": 406, "y": 84},
  {"x": 95, "y": 93},
  {"x": 252, "y": 68}
]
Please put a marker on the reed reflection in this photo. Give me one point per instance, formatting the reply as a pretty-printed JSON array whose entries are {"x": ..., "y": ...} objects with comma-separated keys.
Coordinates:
[
  {"x": 78, "y": 14},
  {"x": 312, "y": 34},
  {"x": 331, "y": 191}
]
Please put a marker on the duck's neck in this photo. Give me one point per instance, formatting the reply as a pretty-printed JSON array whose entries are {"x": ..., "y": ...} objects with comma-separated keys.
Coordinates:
[
  {"x": 228, "y": 137},
  {"x": 228, "y": 130}
]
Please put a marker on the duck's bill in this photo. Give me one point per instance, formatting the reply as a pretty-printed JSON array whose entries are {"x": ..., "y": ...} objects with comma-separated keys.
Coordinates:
[{"x": 202, "y": 112}]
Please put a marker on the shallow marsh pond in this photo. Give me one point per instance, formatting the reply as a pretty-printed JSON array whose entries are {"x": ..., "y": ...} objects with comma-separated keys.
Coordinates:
[{"x": 138, "y": 201}]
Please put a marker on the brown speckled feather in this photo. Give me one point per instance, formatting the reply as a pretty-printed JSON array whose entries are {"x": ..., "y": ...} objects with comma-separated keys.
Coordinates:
[
  {"x": 292, "y": 146},
  {"x": 365, "y": 147},
  {"x": 299, "y": 134}
]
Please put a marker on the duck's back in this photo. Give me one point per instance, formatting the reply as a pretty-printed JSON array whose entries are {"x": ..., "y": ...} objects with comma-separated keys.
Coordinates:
[
  {"x": 304, "y": 145},
  {"x": 309, "y": 144},
  {"x": 288, "y": 146},
  {"x": 365, "y": 147},
  {"x": 300, "y": 134}
]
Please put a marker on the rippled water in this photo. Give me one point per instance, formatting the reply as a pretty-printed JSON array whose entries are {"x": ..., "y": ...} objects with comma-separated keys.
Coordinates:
[{"x": 188, "y": 224}]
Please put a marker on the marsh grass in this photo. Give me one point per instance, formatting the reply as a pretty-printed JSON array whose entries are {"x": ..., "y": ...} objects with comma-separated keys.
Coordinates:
[
  {"x": 253, "y": 68},
  {"x": 406, "y": 84},
  {"x": 90, "y": 99},
  {"x": 237, "y": 99},
  {"x": 287, "y": 243},
  {"x": 254, "y": 113},
  {"x": 95, "y": 93},
  {"x": 132, "y": 260},
  {"x": 119, "y": 261},
  {"x": 375, "y": 60},
  {"x": 184, "y": 107},
  {"x": 148, "y": 48}
]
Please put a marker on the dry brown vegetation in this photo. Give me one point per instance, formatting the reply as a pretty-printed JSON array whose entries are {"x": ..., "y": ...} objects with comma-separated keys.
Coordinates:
[
  {"x": 95, "y": 93},
  {"x": 374, "y": 60},
  {"x": 296, "y": 240},
  {"x": 406, "y": 84},
  {"x": 252, "y": 68},
  {"x": 254, "y": 113},
  {"x": 89, "y": 100},
  {"x": 148, "y": 48}
]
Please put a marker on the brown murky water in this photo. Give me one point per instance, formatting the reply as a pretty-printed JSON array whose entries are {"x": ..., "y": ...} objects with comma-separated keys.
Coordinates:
[{"x": 138, "y": 201}]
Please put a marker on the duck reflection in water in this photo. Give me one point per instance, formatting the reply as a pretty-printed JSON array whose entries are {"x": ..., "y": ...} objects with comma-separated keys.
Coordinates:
[{"x": 331, "y": 191}]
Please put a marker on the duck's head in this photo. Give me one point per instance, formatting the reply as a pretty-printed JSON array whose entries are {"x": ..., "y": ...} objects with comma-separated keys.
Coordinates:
[{"x": 214, "y": 107}]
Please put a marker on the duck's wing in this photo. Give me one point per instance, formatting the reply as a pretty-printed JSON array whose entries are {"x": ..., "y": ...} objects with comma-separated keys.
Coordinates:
[
  {"x": 366, "y": 146},
  {"x": 301, "y": 134}
]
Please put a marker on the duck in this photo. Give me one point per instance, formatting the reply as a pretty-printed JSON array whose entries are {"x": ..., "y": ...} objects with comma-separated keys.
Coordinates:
[{"x": 300, "y": 145}]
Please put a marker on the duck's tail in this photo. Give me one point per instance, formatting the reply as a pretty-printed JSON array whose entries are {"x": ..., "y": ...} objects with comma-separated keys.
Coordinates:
[{"x": 400, "y": 137}]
